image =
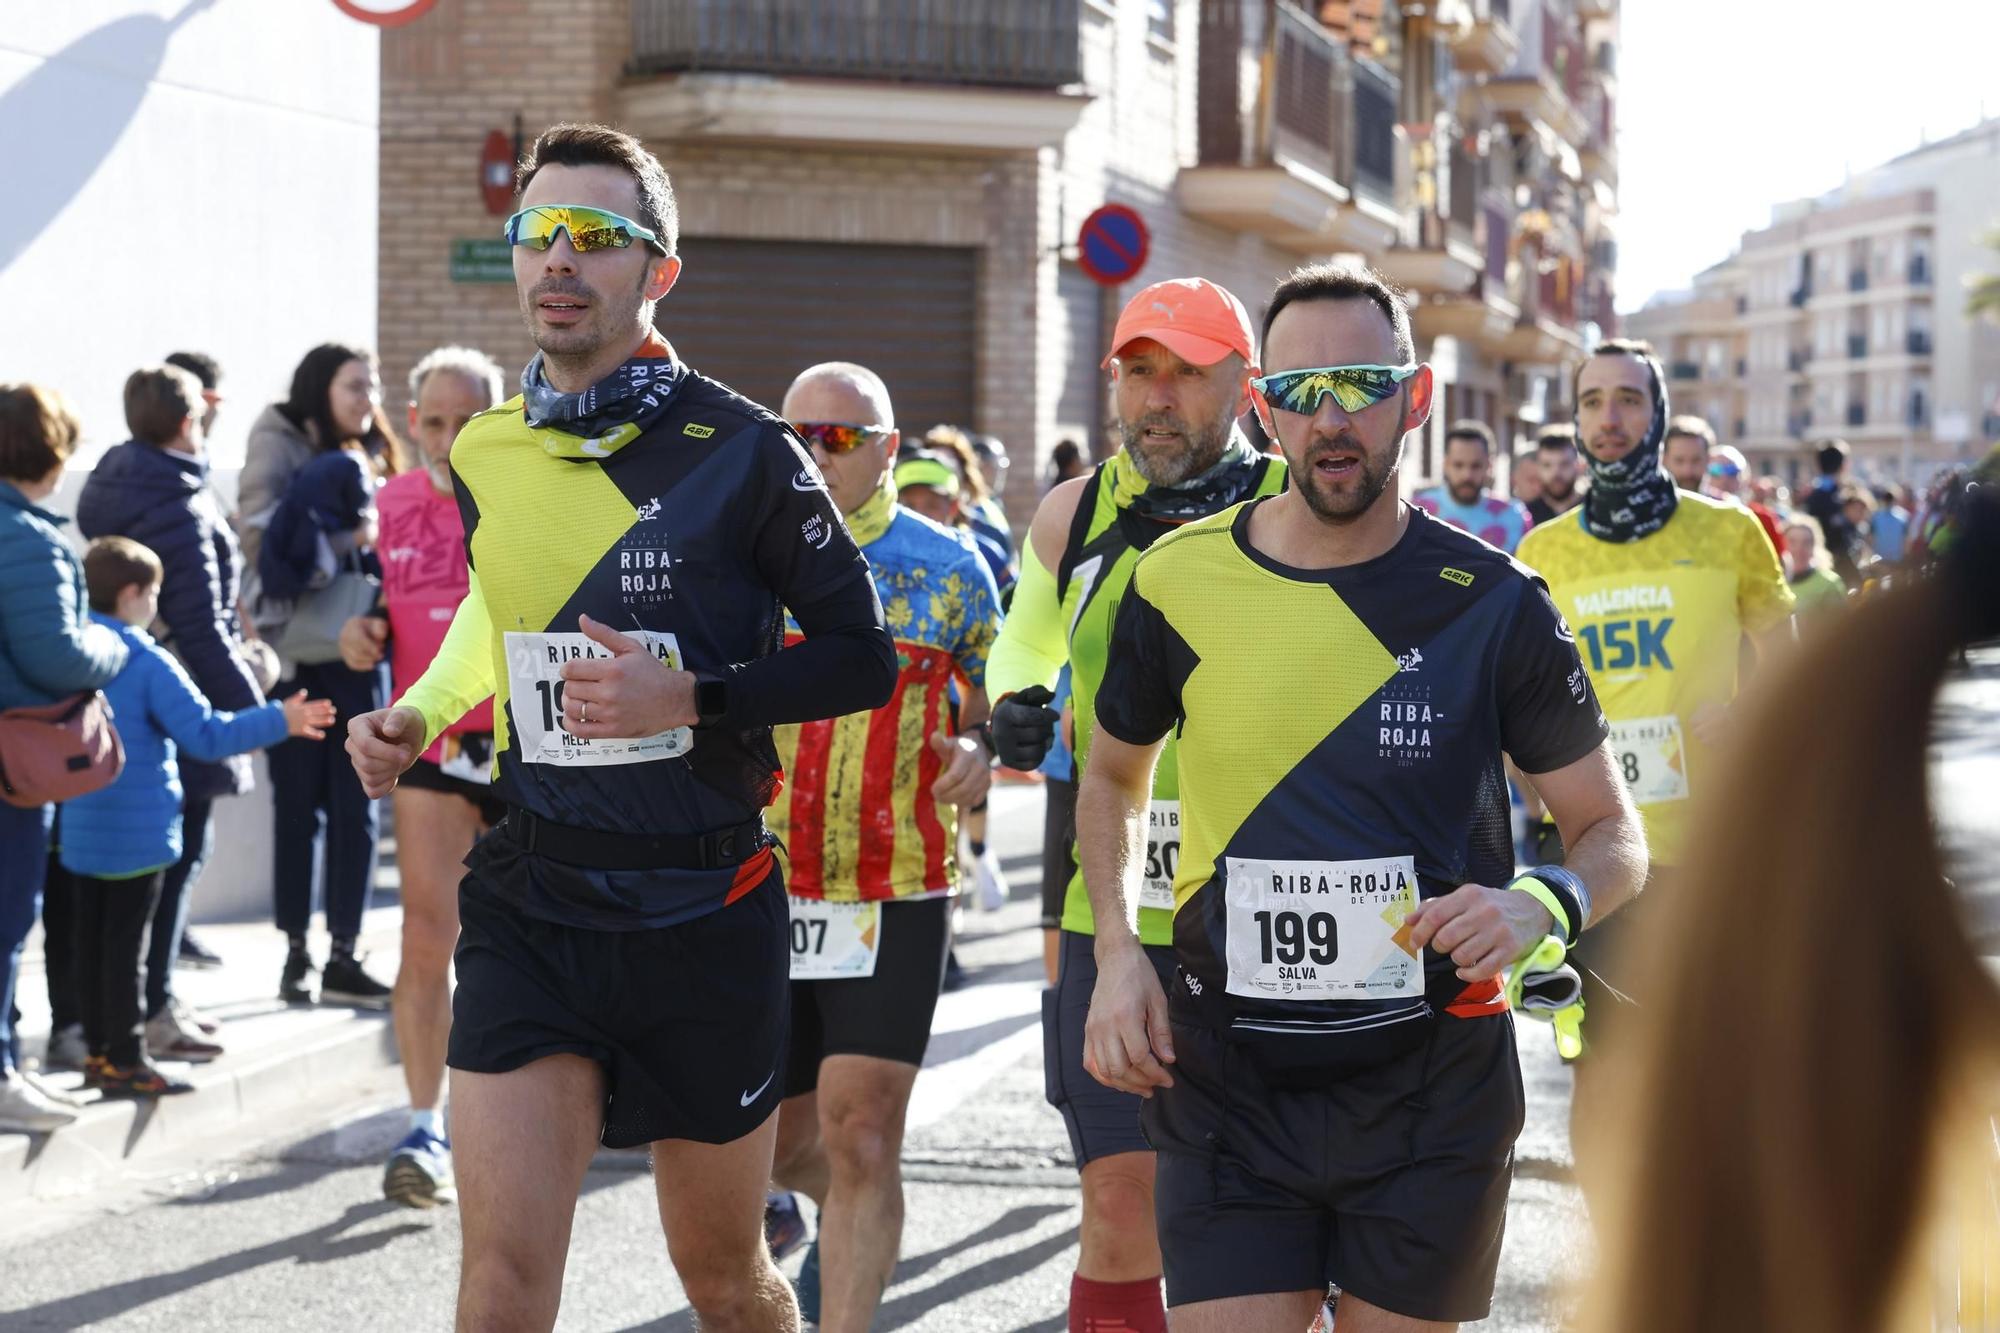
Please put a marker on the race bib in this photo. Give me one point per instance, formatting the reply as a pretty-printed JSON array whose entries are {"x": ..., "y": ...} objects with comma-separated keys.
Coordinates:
[
  {"x": 831, "y": 941},
  {"x": 1322, "y": 930},
  {"x": 1163, "y": 855},
  {"x": 1651, "y": 758},
  {"x": 534, "y": 678}
]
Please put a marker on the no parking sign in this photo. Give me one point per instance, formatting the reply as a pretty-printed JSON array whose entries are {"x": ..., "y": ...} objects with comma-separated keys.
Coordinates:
[
  {"x": 1111, "y": 246},
  {"x": 385, "y": 13}
]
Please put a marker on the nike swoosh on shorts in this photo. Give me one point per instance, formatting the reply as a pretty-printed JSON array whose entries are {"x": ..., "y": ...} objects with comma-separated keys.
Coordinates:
[{"x": 749, "y": 1097}]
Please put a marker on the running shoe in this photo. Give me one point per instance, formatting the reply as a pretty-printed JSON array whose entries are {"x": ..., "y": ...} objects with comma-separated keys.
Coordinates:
[
  {"x": 990, "y": 882},
  {"x": 784, "y": 1224},
  {"x": 808, "y": 1285},
  {"x": 193, "y": 953},
  {"x": 419, "y": 1172},
  {"x": 192, "y": 1017},
  {"x": 345, "y": 981},
  {"x": 170, "y": 1039},
  {"x": 298, "y": 983},
  {"x": 52, "y": 1092},
  {"x": 26, "y": 1109},
  {"x": 67, "y": 1049},
  {"x": 142, "y": 1080}
]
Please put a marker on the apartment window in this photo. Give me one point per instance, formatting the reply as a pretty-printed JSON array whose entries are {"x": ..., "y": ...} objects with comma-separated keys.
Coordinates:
[{"x": 1160, "y": 21}]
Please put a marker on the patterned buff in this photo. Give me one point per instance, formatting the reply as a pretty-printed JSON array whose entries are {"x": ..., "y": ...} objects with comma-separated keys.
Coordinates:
[
  {"x": 1632, "y": 497},
  {"x": 1229, "y": 480},
  {"x": 871, "y": 518},
  {"x": 611, "y": 413}
]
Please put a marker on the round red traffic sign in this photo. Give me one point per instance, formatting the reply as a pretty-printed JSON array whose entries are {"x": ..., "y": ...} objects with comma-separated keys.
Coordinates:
[
  {"x": 496, "y": 173},
  {"x": 1111, "y": 245},
  {"x": 385, "y": 13}
]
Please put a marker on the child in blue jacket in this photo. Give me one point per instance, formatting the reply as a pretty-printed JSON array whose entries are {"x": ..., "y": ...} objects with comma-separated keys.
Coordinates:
[{"x": 118, "y": 843}]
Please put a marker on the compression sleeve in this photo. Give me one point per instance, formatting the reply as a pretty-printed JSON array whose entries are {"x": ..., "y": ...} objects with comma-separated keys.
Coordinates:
[
  {"x": 1033, "y": 643},
  {"x": 460, "y": 677},
  {"x": 847, "y": 663}
]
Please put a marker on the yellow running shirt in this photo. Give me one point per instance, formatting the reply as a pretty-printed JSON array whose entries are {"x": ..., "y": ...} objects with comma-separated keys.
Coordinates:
[{"x": 1659, "y": 622}]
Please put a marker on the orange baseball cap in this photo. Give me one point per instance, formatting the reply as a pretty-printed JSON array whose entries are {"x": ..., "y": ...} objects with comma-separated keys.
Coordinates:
[{"x": 1195, "y": 319}]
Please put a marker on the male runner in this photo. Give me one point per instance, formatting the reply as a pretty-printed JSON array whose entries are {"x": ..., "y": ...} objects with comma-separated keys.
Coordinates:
[
  {"x": 1182, "y": 355},
  {"x": 1728, "y": 477},
  {"x": 870, "y": 830},
  {"x": 1464, "y": 501},
  {"x": 1685, "y": 451},
  {"x": 446, "y": 800},
  {"x": 632, "y": 529},
  {"x": 1332, "y": 1087},
  {"x": 1555, "y": 451},
  {"x": 1660, "y": 585}
]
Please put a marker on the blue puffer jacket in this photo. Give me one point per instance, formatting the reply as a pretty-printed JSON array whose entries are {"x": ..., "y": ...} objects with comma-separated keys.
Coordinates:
[
  {"x": 135, "y": 824},
  {"x": 49, "y": 649},
  {"x": 163, "y": 501}
]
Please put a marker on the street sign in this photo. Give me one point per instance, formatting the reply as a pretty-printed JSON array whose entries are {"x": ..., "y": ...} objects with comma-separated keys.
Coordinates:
[
  {"x": 1111, "y": 245},
  {"x": 481, "y": 259},
  {"x": 385, "y": 13}
]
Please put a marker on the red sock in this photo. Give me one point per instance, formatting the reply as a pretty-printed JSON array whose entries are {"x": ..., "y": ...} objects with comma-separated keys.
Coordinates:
[{"x": 1116, "y": 1307}]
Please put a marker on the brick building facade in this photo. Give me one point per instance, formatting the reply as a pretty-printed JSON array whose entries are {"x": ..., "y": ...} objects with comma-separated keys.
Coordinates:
[{"x": 900, "y": 181}]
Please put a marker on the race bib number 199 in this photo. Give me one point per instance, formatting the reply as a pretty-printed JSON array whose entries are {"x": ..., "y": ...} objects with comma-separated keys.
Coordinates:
[
  {"x": 1322, "y": 930},
  {"x": 1651, "y": 758},
  {"x": 534, "y": 680},
  {"x": 1163, "y": 855}
]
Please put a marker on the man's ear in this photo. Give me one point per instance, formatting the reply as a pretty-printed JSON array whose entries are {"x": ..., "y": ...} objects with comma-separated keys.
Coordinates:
[
  {"x": 662, "y": 275},
  {"x": 1246, "y": 399},
  {"x": 1421, "y": 387}
]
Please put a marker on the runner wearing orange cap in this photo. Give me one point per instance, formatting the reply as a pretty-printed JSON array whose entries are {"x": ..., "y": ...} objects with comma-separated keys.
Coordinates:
[{"x": 1182, "y": 357}]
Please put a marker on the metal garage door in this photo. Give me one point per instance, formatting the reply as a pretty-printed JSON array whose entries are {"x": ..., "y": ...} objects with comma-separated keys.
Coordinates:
[{"x": 754, "y": 313}]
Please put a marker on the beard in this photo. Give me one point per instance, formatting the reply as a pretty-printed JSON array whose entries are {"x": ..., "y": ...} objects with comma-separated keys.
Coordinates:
[
  {"x": 1464, "y": 495},
  {"x": 1552, "y": 491},
  {"x": 603, "y": 322},
  {"x": 1374, "y": 474},
  {"x": 1170, "y": 462}
]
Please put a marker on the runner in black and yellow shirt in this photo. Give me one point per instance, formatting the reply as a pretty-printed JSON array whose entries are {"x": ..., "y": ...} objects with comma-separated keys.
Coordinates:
[
  {"x": 1334, "y": 1093},
  {"x": 1183, "y": 352},
  {"x": 632, "y": 529}
]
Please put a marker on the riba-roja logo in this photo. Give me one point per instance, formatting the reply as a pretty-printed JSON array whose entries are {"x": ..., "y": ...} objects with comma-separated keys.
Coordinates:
[
  {"x": 649, "y": 510},
  {"x": 696, "y": 429},
  {"x": 1410, "y": 661},
  {"x": 1458, "y": 576}
]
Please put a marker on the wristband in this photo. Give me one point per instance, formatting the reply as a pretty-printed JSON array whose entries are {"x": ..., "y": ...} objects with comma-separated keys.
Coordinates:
[{"x": 1562, "y": 893}]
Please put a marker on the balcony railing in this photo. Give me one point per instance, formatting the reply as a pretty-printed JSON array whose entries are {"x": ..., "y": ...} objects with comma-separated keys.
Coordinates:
[
  {"x": 1918, "y": 342},
  {"x": 1857, "y": 414},
  {"x": 1857, "y": 345},
  {"x": 1374, "y": 129},
  {"x": 1800, "y": 295},
  {"x": 999, "y": 43},
  {"x": 1857, "y": 280}
]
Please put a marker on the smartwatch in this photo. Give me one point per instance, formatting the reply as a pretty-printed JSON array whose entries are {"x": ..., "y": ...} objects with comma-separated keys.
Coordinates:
[{"x": 711, "y": 700}]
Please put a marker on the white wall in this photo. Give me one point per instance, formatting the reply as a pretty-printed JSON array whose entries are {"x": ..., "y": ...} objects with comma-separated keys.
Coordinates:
[{"x": 183, "y": 174}]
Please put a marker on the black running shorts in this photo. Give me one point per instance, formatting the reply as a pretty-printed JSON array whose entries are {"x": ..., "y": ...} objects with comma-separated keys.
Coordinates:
[
  {"x": 887, "y": 1015},
  {"x": 1101, "y": 1121},
  {"x": 1392, "y": 1182},
  {"x": 688, "y": 1021},
  {"x": 426, "y": 776}
]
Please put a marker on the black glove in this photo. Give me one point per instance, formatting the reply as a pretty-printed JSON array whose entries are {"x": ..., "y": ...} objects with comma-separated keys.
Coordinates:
[{"x": 1024, "y": 727}]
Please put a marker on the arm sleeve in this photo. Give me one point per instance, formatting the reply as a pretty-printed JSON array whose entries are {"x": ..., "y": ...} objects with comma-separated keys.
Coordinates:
[
  {"x": 52, "y": 642},
  {"x": 460, "y": 677},
  {"x": 202, "y": 732},
  {"x": 1549, "y": 714},
  {"x": 200, "y": 629},
  {"x": 1032, "y": 645},
  {"x": 1139, "y": 700},
  {"x": 1763, "y": 598},
  {"x": 847, "y": 664}
]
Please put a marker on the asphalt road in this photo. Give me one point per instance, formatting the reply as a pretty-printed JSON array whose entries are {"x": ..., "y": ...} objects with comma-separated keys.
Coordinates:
[{"x": 297, "y": 1236}]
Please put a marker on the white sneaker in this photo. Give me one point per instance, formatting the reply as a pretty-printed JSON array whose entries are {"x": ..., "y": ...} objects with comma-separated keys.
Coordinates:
[
  {"x": 991, "y": 883},
  {"x": 24, "y": 1109},
  {"x": 66, "y": 1049},
  {"x": 191, "y": 1017},
  {"x": 52, "y": 1092}
]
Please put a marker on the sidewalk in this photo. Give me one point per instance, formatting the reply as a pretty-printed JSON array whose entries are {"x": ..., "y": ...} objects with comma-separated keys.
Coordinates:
[{"x": 282, "y": 1063}]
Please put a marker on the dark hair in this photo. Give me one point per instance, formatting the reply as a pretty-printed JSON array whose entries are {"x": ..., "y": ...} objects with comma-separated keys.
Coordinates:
[
  {"x": 1470, "y": 428},
  {"x": 1638, "y": 349},
  {"x": 113, "y": 564},
  {"x": 582, "y": 145},
  {"x": 158, "y": 399},
  {"x": 308, "y": 406},
  {"x": 1559, "y": 436},
  {"x": 1325, "y": 281},
  {"x": 1690, "y": 428},
  {"x": 1067, "y": 451},
  {"x": 200, "y": 365},
  {"x": 38, "y": 431},
  {"x": 1832, "y": 457}
]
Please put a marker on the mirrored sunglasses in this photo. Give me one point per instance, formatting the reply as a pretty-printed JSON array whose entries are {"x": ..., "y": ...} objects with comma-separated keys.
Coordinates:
[
  {"x": 588, "y": 228},
  {"x": 1353, "y": 387},
  {"x": 838, "y": 437}
]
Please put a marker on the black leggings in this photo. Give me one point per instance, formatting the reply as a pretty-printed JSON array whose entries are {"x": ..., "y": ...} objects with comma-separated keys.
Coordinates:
[{"x": 111, "y": 919}]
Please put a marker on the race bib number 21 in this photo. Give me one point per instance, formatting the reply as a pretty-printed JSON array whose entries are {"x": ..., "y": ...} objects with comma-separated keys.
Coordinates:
[{"x": 535, "y": 684}]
